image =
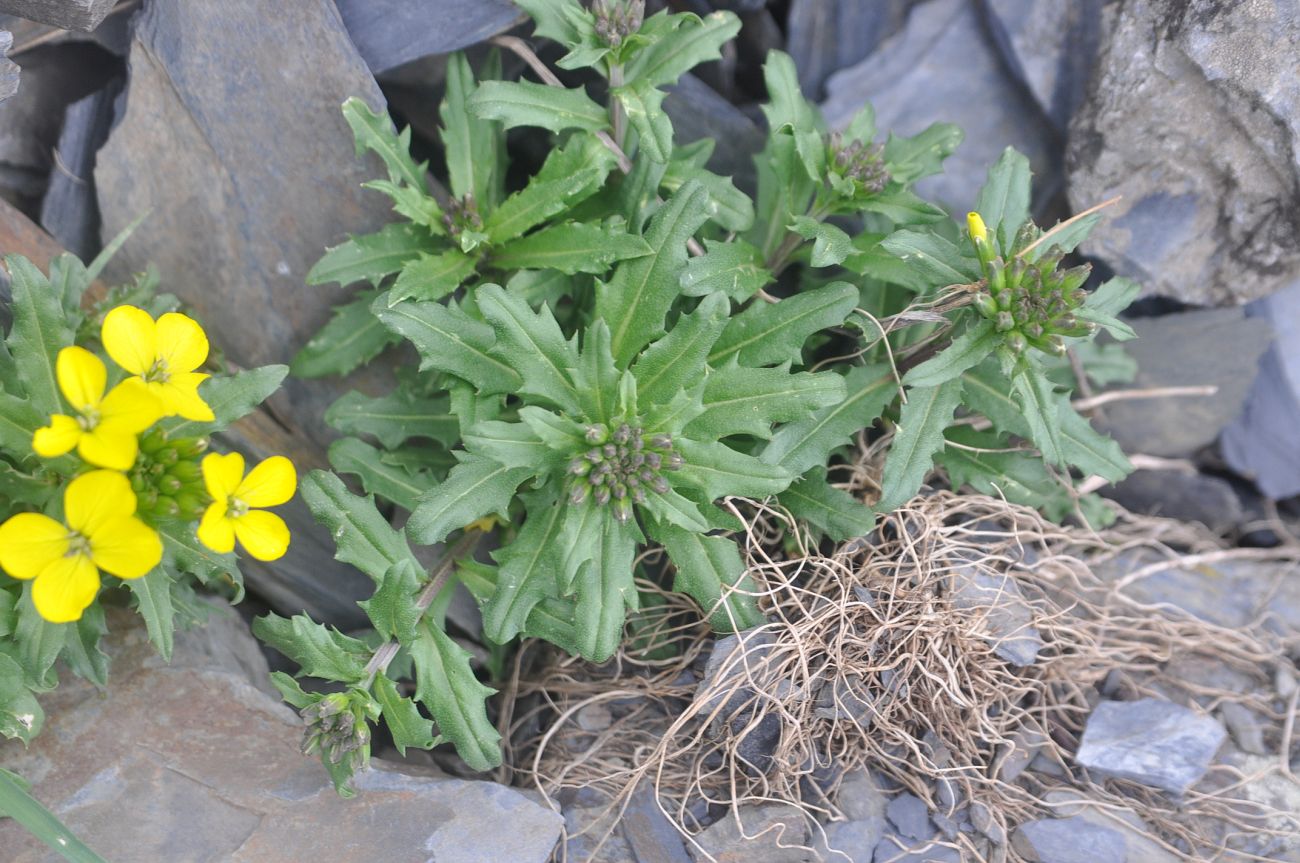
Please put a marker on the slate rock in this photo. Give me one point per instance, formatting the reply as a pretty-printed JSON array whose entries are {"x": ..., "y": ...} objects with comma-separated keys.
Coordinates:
[
  {"x": 1186, "y": 496},
  {"x": 1069, "y": 840},
  {"x": 896, "y": 849},
  {"x": 1005, "y": 617},
  {"x": 940, "y": 68},
  {"x": 1261, "y": 442},
  {"x": 70, "y": 210},
  {"x": 851, "y": 841},
  {"x": 1139, "y": 842},
  {"x": 648, "y": 831},
  {"x": 247, "y": 176},
  {"x": 1153, "y": 742},
  {"x": 1050, "y": 47},
  {"x": 190, "y": 763},
  {"x": 9, "y": 72},
  {"x": 826, "y": 36},
  {"x": 737, "y": 668},
  {"x": 389, "y": 33},
  {"x": 1245, "y": 727},
  {"x": 591, "y": 833},
  {"x": 697, "y": 111},
  {"x": 910, "y": 816},
  {"x": 1206, "y": 347},
  {"x": 758, "y": 838},
  {"x": 1193, "y": 118},
  {"x": 860, "y": 796},
  {"x": 68, "y": 14}
]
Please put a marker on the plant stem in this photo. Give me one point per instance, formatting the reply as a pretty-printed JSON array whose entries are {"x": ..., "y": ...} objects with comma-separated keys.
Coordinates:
[
  {"x": 41, "y": 822},
  {"x": 617, "y": 117}
]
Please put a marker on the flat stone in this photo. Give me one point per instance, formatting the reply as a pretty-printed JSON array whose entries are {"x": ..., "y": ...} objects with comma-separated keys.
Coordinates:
[
  {"x": 1173, "y": 350},
  {"x": 389, "y": 33},
  {"x": 697, "y": 111},
  {"x": 896, "y": 849},
  {"x": 1260, "y": 442},
  {"x": 860, "y": 796},
  {"x": 1153, "y": 742},
  {"x": 1005, "y": 617},
  {"x": 910, "y": 816},
  {"x": 68, "y": 14},
  {"x": 1245, "y": 727},
  {"x": 70, "y": 211},
  {"x": 1139, "y": 843},
  {"x": 1186, "y": 496},
  {"x": 757, "y": 838},
  {"x": 738, "y": 667},
  {"x": 9, "y": 72},
  {"x": 191, "y": 762},
  {"x": 851, "y": 841},
  {"x": 940, "y": 68},
  {"x": 1069, "y": 840},
  {"x": 826, "y": 36},
  {"x": 1192, "y": 117}
]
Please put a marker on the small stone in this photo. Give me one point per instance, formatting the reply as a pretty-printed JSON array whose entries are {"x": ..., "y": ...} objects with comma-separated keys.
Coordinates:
[
  {"x": 1186, "y": 496},
  {"x": 1153, "y": 742},
  {"x": 860, "y": 797},
  {"x": 758, "y": 836},
  {"x": 1004, "y": 614},
  {"x": 739, "y": 665},
  {"x": 1244, "y": 726},
  {"x": 389, "y": 33},
  {"x": 896, "y": 849},
  {"x": 8, "y": 69},
  {"x": 1024, "y": 745},
  {"x": 981, "y": 818},
  {"x": 594, "y": 717},
  {"x": 855, "y": 840},
  {"x": 910, "y": 816},
  {"x": 1139, "y": 843},
  {"x": 1069, "y": 840}
]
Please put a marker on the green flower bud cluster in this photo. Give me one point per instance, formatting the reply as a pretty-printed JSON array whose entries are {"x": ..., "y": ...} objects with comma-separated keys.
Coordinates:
[
  {"x": 462, "y": 215},
  {"x": 338, "y": 726},
  {"x": 617, "y": 19},
  {"x": 622, "y": 467},
  {"x": 1031, "y": 302},
  {"x": 167, "y": 479},
  {"x": 861, "y": 163}
]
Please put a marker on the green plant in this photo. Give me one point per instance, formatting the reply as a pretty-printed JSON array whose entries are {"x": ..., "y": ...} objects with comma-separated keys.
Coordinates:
[{"x": 626, "y": 350}]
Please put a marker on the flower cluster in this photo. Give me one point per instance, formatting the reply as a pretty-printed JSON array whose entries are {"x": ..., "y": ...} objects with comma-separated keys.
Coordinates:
[
  {"x": 857, "y": 162},
  {"x": 1029, "y": 300},
  {"x": 621, "y": 467},
  {"x": 617, "y": 19},
  {"x": 133, "y": 477}
]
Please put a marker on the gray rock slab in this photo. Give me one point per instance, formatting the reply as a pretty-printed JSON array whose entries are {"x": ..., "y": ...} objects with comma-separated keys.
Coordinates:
[
  {"x": 910, "y": 816},
  {"x": 1153, "y": 742},
  {"x": 1261, "y": 442},
  {"x": 739, "y": 667},
  {"x": 68, "y": 14},
  {"x": 9, "y": 71},
  {"x": 860, "y": 796},
  {"x": 70, "y": 211},
  {"x": 389, "y": 33},
  {"x": 826, "y": 36},
  {"x": 190, "y": 763},
  {"x": 940, "y": 68},
  {"x": 1069, "y": 840},
  {"x": 769, "y": 833},
  {"x": 697, "y": 111},
  {"x": 896, "y": 849},
  {"x": 1005, "y": 617},
  {"x": 1189, "y": 496},
  {"x": 1209, "y": 347},
  {"x": 1193, "y": 118},
  {"x": 851, "y": 841},
  {"x": 1140, "y": 844}
]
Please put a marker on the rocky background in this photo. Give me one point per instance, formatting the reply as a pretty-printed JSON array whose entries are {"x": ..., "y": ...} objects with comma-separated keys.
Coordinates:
[{"x": 220, "y": 123}]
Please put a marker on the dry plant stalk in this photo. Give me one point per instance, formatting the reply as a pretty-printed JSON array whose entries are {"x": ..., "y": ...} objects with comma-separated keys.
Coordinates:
[{"x": 916, "y": 691}]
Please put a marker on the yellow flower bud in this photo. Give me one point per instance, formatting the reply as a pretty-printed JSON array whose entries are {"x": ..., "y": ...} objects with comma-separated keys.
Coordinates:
[{"x": 976, "y": 226}]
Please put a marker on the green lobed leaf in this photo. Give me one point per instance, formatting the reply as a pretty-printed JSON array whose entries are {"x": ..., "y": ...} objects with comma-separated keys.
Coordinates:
[
  {"x": 38, "y": 333},
  {"x": 1065, "y": 236},
  {"x": 321, "y": 651},
  {"x": 1004, "y": 200},
  {"x": 637, "y": 299},
  {"x": 353, "y": 337},
  {"x": 19, "y": 421},
  {"x": 903, "y": 207},
  {"x": 798, "y": 446},
  {"x": 935, "y": 259},
  {"x": 391, "y": 608},
  {"x": 446, "y": 685},
  {"x": 231, "y": 397},
  {"x": 39, "y": 643},
  {"x": 554, "y": 19},
  {"x": 451, "y": 341},
  {"x": 431, "y": 277},
  {"x": 474, "y": 147},
  {"x": 599, "y": 382},
  {"x": 643, "y": 104},
  {"x": 529, "y": 568},
  {"x": 696, "y": 41},
  {"x": 830, "y": 244},
  {"x": 739, "y": 400},
  {"x": 967, "y": 350},
  {"x": 674, "y": 361},
  {"x": 605, "y": 589},
  {"x": 1089, "y": 451},
  {"x": 710, "y": 571},
  {"x": 769, "y": 333},
  {"x": 718, "y": 471},
  {"x": 153, "y": 602},
  {"x": 728, "y": 207},
  {"x": 17, "y": 803},
  {"x": 535, "y": 346},
  {"x": 525, "y": 103},
  {"x": 569, "y": 175},
  {"x": 508, "y": 444},
  {"x": 363, "y": 537},
  {"x": 394, "y": 418},
  {"x": 573, "y": 247},
  {"x": 389, "y": 481},
  {"x": 183, "y": 552},
  {"x": 735, "y": 270},
  {"x": 786, "y": 105},
  {"x": 81, "y": 650},
  {"x": 834, "y": 512},
  {"x": 407, "y": 727},
  {"x": 1040, "y": 409},
  {"x": 374, "y": 131},
  {"x": 476, "y": 487},
  {"x": 921, "y": 155},
  {"x": 370, "y": 257},
  {"x": 1018, "y": 477},
  {"x": 919, "y": 435},
  {"x": 21, "y": 715}
]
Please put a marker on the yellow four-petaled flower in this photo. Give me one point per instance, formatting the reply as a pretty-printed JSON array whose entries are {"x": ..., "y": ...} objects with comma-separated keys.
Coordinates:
[
  {"x": 105, "y": 428},
  {"x": 163, "y": 355},
  {"x": 232, "y": 513},
  {"x": 99, "y": 531}
]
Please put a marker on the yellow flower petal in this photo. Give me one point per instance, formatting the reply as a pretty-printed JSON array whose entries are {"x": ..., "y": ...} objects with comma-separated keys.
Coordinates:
[
  {"x": 57, "y": 438},
  {"x": 975, "y": 225},
  {"x": 130, "y": 407},
  {"x": 82, "y": 377},
  {"x": 108, "y": 448},
  {"x": 64, "y": 588},
  {"x": 182, "y": 344},
  {"x": 29, "y": 542},
  {"x": 126, "y": 547},
  {"x": 129, "y": 337},
  {"x": 271, "y": 483},
  {"x": 222, "y": 474},
  {"x": 95, "y": 499},
  {"x": 180, "y": 396},
  {"x": 215, "y": 530},
  {"x": 263, "y": 534}
]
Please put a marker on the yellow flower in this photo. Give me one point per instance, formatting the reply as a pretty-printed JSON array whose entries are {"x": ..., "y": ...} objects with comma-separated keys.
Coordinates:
[
  {"x": 105, "y": 428},
  {"x": 264, "y": 535},
  {"x": 975, "y": 224},
  {"x": 163, "y": 354},
  {"x": 101, "y": 532}
]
